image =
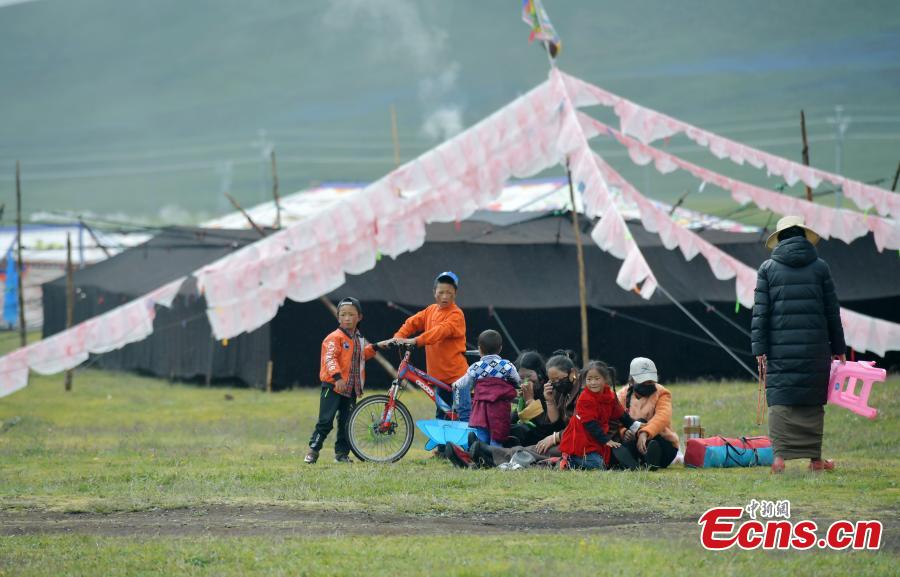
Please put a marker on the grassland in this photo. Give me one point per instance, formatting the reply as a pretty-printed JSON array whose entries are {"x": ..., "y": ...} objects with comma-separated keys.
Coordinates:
[
  {"x": 457, "y": 555},
  {"x": 119, "y": 442},
  {"x": 125, "y": 445}
]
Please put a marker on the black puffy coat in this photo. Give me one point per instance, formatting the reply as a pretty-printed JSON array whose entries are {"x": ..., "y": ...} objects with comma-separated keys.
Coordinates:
[{"x": 796, "y": 324}]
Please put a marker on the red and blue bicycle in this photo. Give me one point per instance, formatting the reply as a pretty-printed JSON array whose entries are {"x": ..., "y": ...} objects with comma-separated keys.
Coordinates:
[{"x": 381, "y": 428}]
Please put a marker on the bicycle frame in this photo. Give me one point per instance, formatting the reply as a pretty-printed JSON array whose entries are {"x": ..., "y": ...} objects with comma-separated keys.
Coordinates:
[{"x": 407, "y": 372}]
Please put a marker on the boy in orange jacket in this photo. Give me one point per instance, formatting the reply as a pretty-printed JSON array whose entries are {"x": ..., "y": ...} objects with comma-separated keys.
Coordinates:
[
  {"x": 441, "y": 329},
  {"x": 343, "y": 376}
]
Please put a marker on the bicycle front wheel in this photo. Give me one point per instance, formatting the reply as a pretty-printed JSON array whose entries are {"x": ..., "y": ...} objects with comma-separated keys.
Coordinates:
[{"x": 376, "y": 439}]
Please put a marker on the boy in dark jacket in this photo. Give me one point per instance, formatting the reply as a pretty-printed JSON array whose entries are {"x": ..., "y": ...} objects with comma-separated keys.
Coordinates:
[
  {"x": 795, "y": 332},
  {"x": 495, "y": 381}
]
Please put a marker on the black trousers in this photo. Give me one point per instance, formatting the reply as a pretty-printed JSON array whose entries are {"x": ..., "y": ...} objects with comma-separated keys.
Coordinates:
[
  {"x": 660, "y": 454},
  {"x": 331, "y": 404},
  {"x": 526, "y": 436}
]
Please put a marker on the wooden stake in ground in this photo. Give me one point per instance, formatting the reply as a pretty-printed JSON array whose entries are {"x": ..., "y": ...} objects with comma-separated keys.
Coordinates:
[
  {"x": 269, "y": 377},
  {"x": 582, "y": 290},
  {"x": 394, "y": 136},
  {"x": 209, "y": 364},
  {"x": 23, "y": 335},
  {"x": 809, "y": 194},
  {"x": 275, "y": 191},
  {"x": 70, "y": 301}
]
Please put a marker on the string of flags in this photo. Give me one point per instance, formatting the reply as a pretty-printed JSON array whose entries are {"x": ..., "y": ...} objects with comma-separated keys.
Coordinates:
[
  {"x": 542, "y": 29},
  {"x": 541, "y": 128}
]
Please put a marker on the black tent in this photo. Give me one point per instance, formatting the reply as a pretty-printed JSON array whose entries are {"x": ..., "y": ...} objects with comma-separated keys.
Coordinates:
[
  {"x": 516, "y": 269},
  {"x": 181, "y": 346}
]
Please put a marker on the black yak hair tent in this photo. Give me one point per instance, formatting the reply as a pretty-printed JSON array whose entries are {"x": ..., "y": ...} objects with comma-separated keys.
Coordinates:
[{"x": 518, "y": 275}]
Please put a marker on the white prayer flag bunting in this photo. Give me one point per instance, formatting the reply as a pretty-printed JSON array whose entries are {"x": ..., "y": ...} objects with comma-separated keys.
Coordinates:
[
  {"x": 846, "y": 225},
  {"x": 67, "y": 349},
  {"x": 648, "y": 125},
  {"x": 541, "y": 128}
]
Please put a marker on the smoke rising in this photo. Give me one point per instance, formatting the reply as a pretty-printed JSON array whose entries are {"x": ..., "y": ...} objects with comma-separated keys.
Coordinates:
[{"x": 399, "y": 33}]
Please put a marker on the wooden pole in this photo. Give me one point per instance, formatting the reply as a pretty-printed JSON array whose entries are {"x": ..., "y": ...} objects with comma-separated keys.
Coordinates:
[
  {"x": 896, "y": 176},
  {"x": 394, "y": 136},
  {"x": 275, "y": 191},
  {"x": 70, "y": 301},
  {"x": 269, "y": 377},
  {"x": 809, "y": 194},
  {"x": 582, "y": 290},
  {"x": 235, "y": 204},
  {"x": 96, "y": 239},
  {"x": 209, "y": 364},
  {"x": 23, "y": 335},
  {"x": 679, "y": 202}
]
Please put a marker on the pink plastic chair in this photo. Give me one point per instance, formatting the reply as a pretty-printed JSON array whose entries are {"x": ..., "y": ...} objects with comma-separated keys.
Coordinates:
[{"x": 842, "y": 385}]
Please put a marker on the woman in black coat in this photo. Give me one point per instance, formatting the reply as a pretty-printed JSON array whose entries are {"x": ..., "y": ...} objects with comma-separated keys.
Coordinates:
[{"x": 796, "y": 331}]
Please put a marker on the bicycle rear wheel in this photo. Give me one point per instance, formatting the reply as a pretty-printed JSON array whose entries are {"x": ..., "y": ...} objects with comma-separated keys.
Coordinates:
[{"x": 376, "y": 440}]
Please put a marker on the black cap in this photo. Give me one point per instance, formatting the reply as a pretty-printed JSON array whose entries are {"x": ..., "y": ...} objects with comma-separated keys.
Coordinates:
[{"x": 350, "y": 301}]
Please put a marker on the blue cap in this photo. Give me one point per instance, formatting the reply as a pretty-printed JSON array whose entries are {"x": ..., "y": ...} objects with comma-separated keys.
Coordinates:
[{"x": 447, "y": 277}]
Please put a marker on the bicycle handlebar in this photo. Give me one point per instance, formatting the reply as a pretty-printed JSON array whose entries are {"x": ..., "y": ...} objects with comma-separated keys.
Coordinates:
[{"x": 402, "y": 346}]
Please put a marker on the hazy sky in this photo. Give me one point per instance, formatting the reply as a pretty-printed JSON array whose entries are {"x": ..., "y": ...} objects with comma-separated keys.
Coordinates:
[
  {"x": 11, "y": 2},
  {"x": 131, "y": 107}
]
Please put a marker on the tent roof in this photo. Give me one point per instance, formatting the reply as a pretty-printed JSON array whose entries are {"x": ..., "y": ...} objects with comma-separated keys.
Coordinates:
[
  {"x": 535, "y": 195},
  {"x": 488, "y": 227},
  {"x": 511, "y": 260},
  {"x": 45, "y": 244},
  {"x": 532, "y": 264},
  {"x": 174, "y": 252}
]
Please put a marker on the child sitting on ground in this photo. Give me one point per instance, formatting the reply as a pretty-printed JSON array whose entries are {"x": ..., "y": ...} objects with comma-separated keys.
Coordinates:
[
  {"x": 343, "y": 376},
  {"x": 586, "y": 442},
  {"x": 495, "y": 381}
]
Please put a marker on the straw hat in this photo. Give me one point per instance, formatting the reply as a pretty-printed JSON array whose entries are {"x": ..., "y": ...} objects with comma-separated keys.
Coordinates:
[{"x": 786, "y": 223}]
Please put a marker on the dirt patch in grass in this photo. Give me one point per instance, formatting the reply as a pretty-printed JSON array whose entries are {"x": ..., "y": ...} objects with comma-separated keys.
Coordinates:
[
  {"x": 248, "y": 521},
  {"x": 229, "y": 520}
]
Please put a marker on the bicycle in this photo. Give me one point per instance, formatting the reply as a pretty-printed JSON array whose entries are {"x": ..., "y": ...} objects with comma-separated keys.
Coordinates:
[{"x": 381, "y": 428}]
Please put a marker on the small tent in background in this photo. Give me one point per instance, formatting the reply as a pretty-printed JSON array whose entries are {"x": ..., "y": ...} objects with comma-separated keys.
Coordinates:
[
  {"x": 515, "y": 268},
  {"x": 181, "y": 346},
  {"x": 44, "y": 257}
]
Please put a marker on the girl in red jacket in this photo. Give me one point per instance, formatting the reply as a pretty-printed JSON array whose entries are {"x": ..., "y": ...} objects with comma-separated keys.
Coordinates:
[{"x": 586, "y": 442}]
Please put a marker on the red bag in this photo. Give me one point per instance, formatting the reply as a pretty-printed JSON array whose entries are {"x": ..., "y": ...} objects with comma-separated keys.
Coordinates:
[{"x": 725, "y": 452}]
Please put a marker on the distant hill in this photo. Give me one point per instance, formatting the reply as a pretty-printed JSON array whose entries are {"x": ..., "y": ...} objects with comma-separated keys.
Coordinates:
[{"x": 151, "y": 109}]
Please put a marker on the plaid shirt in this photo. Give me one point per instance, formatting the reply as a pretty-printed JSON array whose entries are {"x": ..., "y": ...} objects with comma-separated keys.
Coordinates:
[{"x": 489, "y": 366}]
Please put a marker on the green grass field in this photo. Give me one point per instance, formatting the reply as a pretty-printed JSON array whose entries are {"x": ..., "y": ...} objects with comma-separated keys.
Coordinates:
[
  {"x": 121, "y": 443},
  {"x": 457, "y": 555}
]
